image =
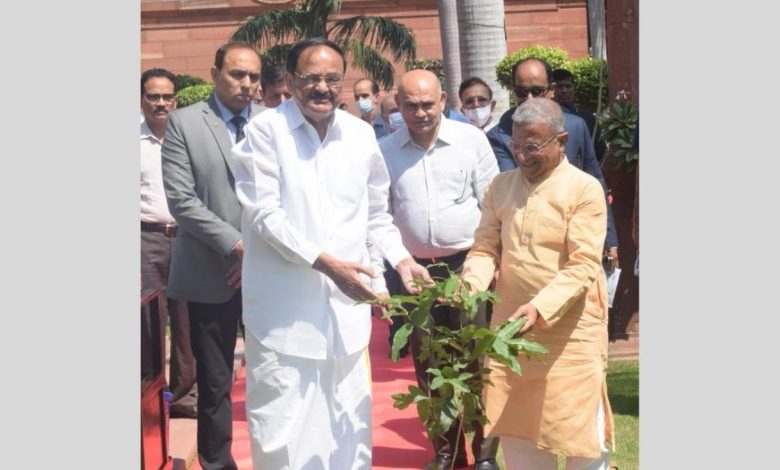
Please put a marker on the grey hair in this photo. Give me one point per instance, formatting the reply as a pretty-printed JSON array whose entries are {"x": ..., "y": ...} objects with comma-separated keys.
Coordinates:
[{"x": 540, "y": 110}]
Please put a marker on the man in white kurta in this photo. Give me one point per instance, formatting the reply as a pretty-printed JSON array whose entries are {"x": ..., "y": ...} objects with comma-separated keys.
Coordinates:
[
  {"x": 543, "y": 226},
  {"x": 314, "y": 189}
]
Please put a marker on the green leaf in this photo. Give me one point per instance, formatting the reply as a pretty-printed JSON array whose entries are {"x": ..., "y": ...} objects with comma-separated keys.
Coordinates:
[
  {"x": 437, "y": 382},
  {"x": 483, "y": 345},
  {"x": 450, "y": 285},
  {"x": 459, "y": 385},
  {"x": 500, "y": 347},
  {"x": 509, "y": 329},
  {"x": 401, "y": 400},
  {"x": 400, "y": 339}
]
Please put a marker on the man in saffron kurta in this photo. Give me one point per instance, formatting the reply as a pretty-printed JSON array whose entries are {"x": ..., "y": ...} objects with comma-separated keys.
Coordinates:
[{"x": 543, "y": 228}]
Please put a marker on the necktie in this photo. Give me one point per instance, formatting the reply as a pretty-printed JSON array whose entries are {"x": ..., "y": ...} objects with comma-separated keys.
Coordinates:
[{"x": 239, "y": 122}]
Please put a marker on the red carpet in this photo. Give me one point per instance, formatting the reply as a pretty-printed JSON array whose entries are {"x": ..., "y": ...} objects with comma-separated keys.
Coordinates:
[{"x": 399, "y": 440}]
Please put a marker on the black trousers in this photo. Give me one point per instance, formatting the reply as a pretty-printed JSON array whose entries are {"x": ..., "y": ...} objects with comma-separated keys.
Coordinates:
[
  {"x": 482, "y": 448},
  {"x": 213, "y": 331}
]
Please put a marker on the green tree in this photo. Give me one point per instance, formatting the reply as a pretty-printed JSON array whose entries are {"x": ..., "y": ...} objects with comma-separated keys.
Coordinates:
[{"x": 363, "y": 38}]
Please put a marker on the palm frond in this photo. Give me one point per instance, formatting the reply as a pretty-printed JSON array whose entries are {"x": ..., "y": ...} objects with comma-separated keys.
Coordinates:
[
  {"x": 268, "y": 29},
  {"x": 381, "y": 34},
  {"x": 320, "y": 11},
  {"x": 371, "y": 61},
  {"x": 276, "y": 54}
]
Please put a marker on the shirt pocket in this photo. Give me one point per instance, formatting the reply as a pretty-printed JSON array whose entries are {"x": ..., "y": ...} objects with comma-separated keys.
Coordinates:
[{"x": 454, "y": 185}]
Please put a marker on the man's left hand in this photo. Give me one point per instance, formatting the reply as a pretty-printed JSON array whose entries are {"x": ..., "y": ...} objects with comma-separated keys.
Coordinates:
[
  {"x": 409, "y": 270},
  {"x": 530, "y": 314}
]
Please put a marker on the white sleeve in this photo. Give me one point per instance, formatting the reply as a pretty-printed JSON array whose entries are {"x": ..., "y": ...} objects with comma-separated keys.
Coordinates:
[{"x": 258, "y": 181}]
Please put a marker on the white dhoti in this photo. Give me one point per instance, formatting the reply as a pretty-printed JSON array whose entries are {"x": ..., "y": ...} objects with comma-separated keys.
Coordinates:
[{"x": 308, "y": 414}]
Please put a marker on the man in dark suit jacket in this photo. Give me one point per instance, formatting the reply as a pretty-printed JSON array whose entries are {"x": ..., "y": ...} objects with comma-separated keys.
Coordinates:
[
  {"x": 532, "y": 78},
  {"x": 206, "y": 261},
  {"x": 564, "y": 91}
]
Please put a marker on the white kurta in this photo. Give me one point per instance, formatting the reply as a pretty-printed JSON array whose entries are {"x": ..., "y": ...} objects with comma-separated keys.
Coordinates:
[
  {"x": 308, "y": 387},
  {"x": 302, "y": 197}
]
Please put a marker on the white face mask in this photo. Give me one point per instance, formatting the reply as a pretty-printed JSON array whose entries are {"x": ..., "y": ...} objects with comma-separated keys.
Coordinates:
[
  {"x": 478, "y": 116},
  {"x": 365, "y": 106},
  {"x": 395, "y": 121}
]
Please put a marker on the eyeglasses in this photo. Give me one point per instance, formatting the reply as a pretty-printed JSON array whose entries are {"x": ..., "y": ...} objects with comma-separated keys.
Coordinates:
[
  {"x": 532, "y": 149},
  {"x": 332, "y": 80},
  {"x": 155, "y": 97},
  {"x": 534, "y": 91}
]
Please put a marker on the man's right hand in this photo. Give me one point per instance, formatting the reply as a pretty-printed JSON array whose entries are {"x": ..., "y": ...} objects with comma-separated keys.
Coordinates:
[{"x": 346, "y": 276}]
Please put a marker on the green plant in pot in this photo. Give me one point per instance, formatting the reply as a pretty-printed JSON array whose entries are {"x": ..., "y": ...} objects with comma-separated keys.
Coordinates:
[
  {"x": 457, "y": 383},
  {"x": 617, "y": 125}
]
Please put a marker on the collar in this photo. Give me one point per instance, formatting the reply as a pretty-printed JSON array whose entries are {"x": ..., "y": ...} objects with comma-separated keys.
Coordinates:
[
  {"x": 556, "y": 171},
  {"x": 227, "y": 114},
  {"x": 292, "y": 108},
  {"x": 446, "y": 134},
  {"x": 146, "y": 132}
]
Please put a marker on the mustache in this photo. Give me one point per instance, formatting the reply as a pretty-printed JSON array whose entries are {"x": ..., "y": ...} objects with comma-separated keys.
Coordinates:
[{"x": 316, "y": 95}]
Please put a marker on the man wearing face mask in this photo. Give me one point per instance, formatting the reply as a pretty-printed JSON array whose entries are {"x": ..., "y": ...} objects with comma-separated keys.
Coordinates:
[
  {"x": 477, "y": 103},
  {"x": 391, "y": 115},
  {"x": 366, "y": 94}
]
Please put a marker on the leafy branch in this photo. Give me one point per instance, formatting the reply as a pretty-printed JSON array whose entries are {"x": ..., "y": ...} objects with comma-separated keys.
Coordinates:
[{"x": 456, "y": 377}]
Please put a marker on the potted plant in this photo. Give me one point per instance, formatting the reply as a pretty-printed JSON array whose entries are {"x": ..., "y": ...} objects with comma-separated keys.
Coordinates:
[
  {"x": 458, "y": 388},
  {"x": 617, "y": 124}
]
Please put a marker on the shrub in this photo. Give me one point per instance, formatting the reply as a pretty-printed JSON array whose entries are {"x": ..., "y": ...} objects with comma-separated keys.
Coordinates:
[
  {"x": 586, "y": 75},
  {"x": 193, "y": 94},
  {"x": 186, "y": 81}
]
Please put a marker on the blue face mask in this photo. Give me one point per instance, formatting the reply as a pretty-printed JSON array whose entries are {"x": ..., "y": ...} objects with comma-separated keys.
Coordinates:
[
  {"x": 365, "y": 106},
  {"x": 395, "y": 121}
]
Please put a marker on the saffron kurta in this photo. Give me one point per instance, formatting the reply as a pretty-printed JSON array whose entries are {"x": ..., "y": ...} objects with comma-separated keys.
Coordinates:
[{"x": 547, "y": 240}]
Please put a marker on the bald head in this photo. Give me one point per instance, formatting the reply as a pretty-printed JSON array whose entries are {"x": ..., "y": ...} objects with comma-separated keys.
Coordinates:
[
  {"x": 531, "y": 79},
  {"x": 388, "y": 104},
  {"x": 421, "y": 102},
  {"x": 419, "y": 79}
]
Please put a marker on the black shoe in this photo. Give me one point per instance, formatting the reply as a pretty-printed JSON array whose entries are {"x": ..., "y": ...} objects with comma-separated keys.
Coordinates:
[
  {"x": 487, "y": 464},
  {"x": 189, "y": 412}
]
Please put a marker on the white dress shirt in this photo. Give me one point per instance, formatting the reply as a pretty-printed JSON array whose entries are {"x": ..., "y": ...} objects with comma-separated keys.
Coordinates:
[
  {"x": 154, "y": 205},
  {"x": 436, "y": 193},
  {"x": 302, "y": 197},
  {"x": 227, "y": 116}
]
